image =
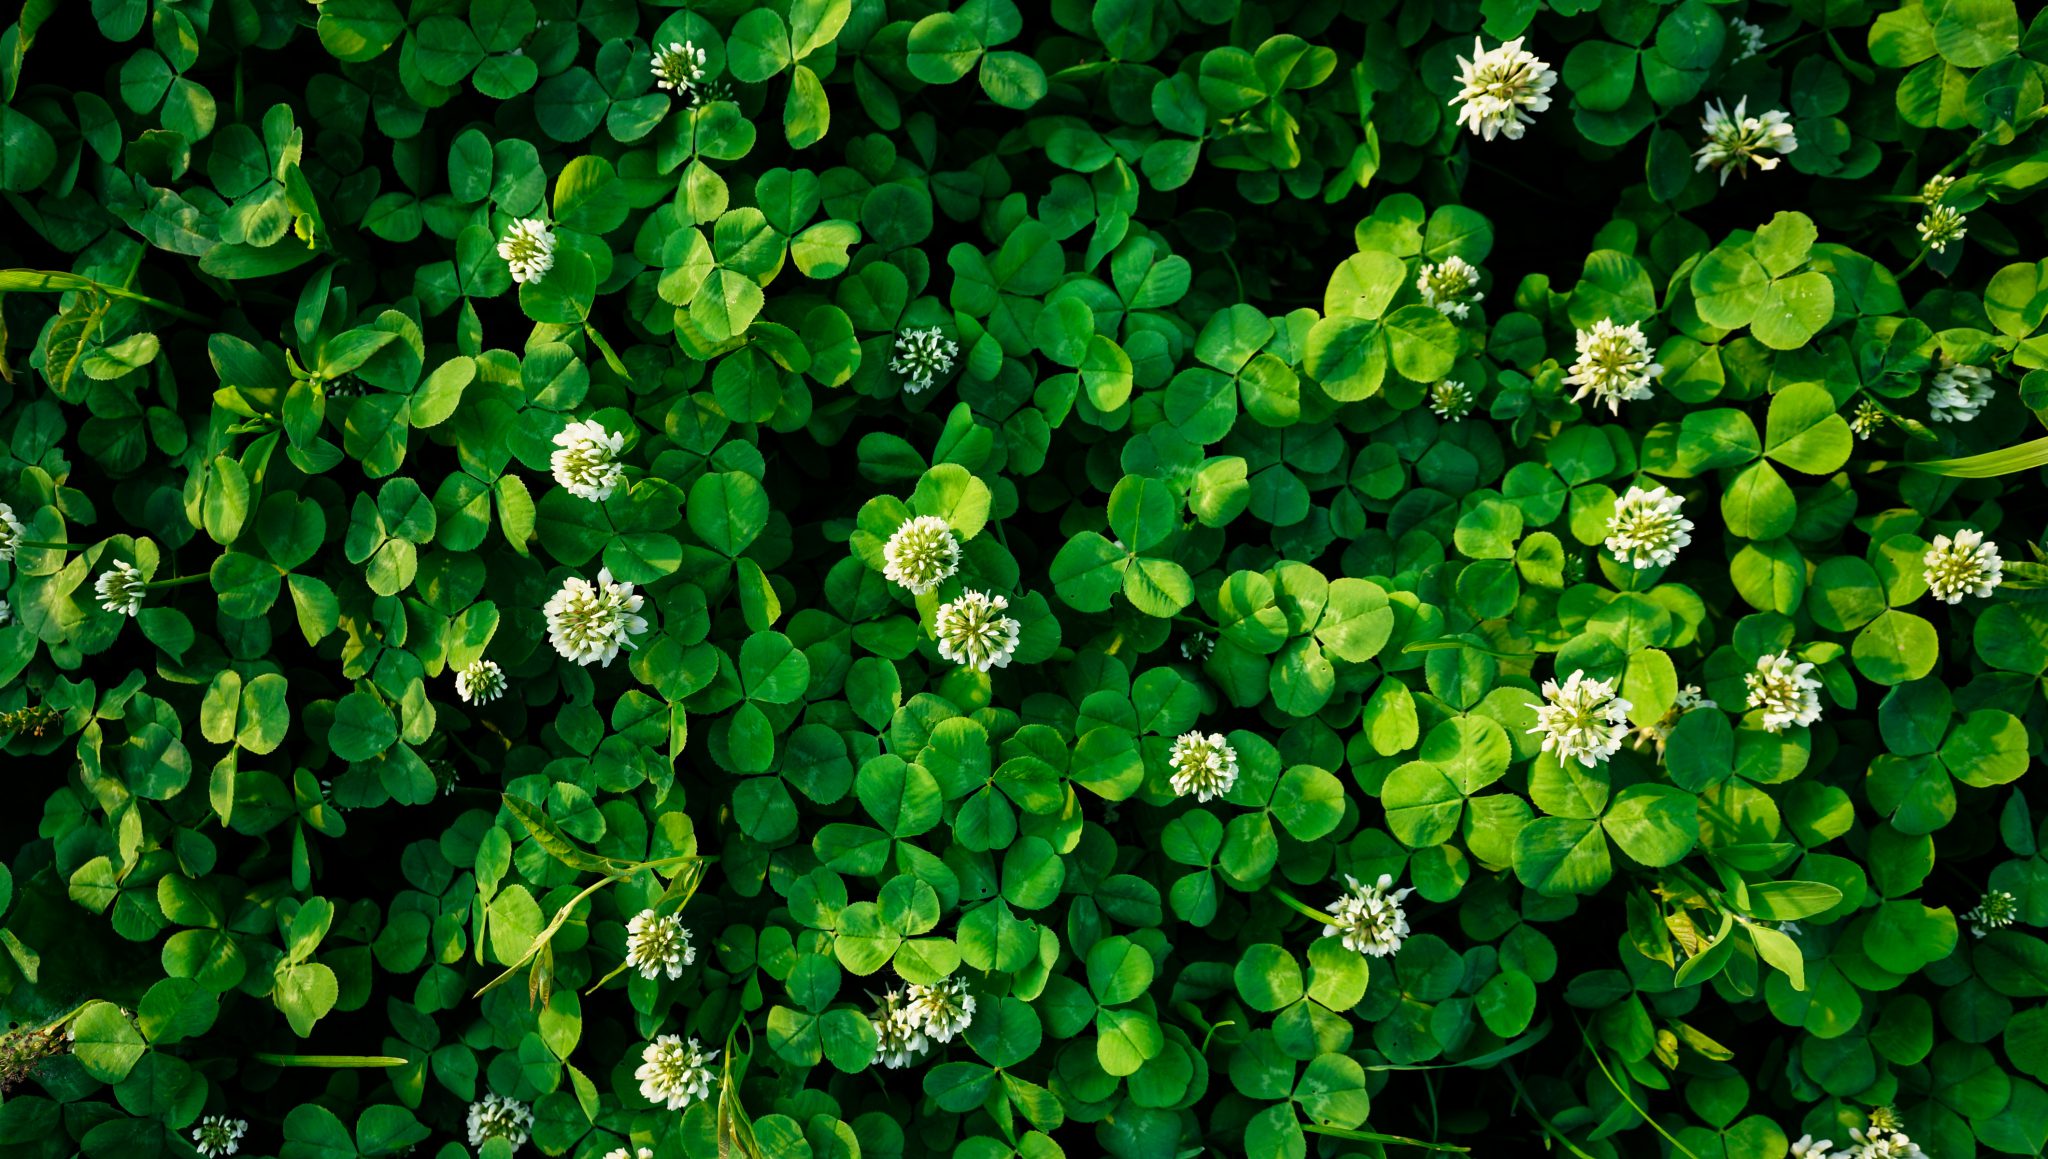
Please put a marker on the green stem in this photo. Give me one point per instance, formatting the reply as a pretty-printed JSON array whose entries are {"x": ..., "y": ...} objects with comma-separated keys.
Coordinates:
[
  {"x": 37, "y": 543},
  {"x": 63, "y": 282},
  {"x": 330, "y": 1061},
  {"x": 179, "y": 582},
  {"x": 1297, "y": 906},
  {"x": 1377, "y": 1137},
  {"x": 1549, "y": 1129},
  {"x": 1618, "y": 1089}
]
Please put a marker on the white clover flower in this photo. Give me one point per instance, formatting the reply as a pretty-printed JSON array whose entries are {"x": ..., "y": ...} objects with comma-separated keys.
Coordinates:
[
  {"x": 1452, "y": 286},
  {"x": 637, "y": 1153},
  {"x": 1958, "y": 393},
  {"x": 1868, "y": 418},
  {"x": 1809, "y": 1147},
  {"x": 589, "y": 623},
  {"x": 658, "y": 942},
  {"x": 1937, "y": 187},
  {"x": 1967, "y": 565},
  {"x": 1646, "y": 528},
  {"x": 1199, "y": 646},
  {"x": 1781, "y": 687},
  {"x": 1582, "y": 720},
  {"x": 120, "y": 588},
  {"x": 675, "y": 1073},
  {"x": 1942, "y": 227},
  {"x": 973, "y": 631},
  {"x": 529, "y": 249},
  {"x": 1500, "y": 88},
  {"x": 217, "y": 1135},
  {"x": 922, "y": 554},
  {"x": 898, "y": 1039},
  {"x": 1369, "y": 917},
  {"x": 923, "y": 356},
  {"x": 942, "y": 1009},
  {"x": 586, "y": 462},
  {"x": 1451, "y": 399},
  {"x": 1203, "y": 765},
  {"x": 480, "y": 682},
  {"x": 1736, "y": 142},
  {"x": 497, "y": 1117},
  {"x": 11, "y": 533},
  {"x": 1749, "y": 39},
  {"x": 1997, "y": 910},
  {"x": 678, "y": 67},
  {"x": 1614, "y": 365},
  {"x": 1878, "y": 1144},
  {"x": 6, "y": 613}
]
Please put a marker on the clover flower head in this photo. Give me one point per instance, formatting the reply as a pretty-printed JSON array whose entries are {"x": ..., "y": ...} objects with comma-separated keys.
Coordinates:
[
  {"x": 1500, "y": 87},
  {"x": 1809, "y": 1147},
  {"x": 1883, "y": 1142},
  {"x": 1452, "y": 286},
  {"x": 496, "y": 1117},
  {"x": 589, "y": 622},
  {"x": 480, "y": 682},
  {"x": 636, "y": 1153},
  {"x": 1997, "y": 910},
  {"x": 1582, "y": 719},
  {"x": 1868, "y": 418},
  {"x": 678, "y": 66},
  {"x": 586, "y": 460},
  {"x": 1614, "y": 365},
  {"x": 1736, "y": 141},
  {"x": 1369, "y": 917},
  {"x": 1958, "y": 393},
  {"x": 674, "y": 1073},
  {"x": 6, "y": 613},
  {"x": 973, "y": 631},
  {"x": 922, "y": 554},
  {"x": 1967, "y": 565},
  {"x": 942, "y": 1009},
  {"x": 1781, "y": 687},
  {"x": 529, "y": 249},
  {"x": 899, "y": 1041},
  {"x": 1937, "y": 187},
  {"x": 1203, "y": 765},
  {"x": 658, "y": 942},
  {"x": 1942, "y": 227},
  {"x": 217, "y": 1135},
  {"x": 1199, "y": 646},
  {"x": 923, "y": 356},
  {"x": 1749, "y": 39},
  {"x": 1646, "y": 528},
  {"x": 1452, "y": 400},
  {"x": 120, "y": 588},
  {"x": 11, "y": 533}
]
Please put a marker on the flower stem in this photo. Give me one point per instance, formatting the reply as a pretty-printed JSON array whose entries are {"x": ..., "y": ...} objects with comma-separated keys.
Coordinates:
[
  {"x": 180, "y": 581},
  {"x": 1298, "y": 906},
  {"x": 37, "y": 543}
]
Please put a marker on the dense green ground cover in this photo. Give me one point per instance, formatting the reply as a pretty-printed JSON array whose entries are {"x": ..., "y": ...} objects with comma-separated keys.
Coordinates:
[{"x": 843, "y": 579}]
